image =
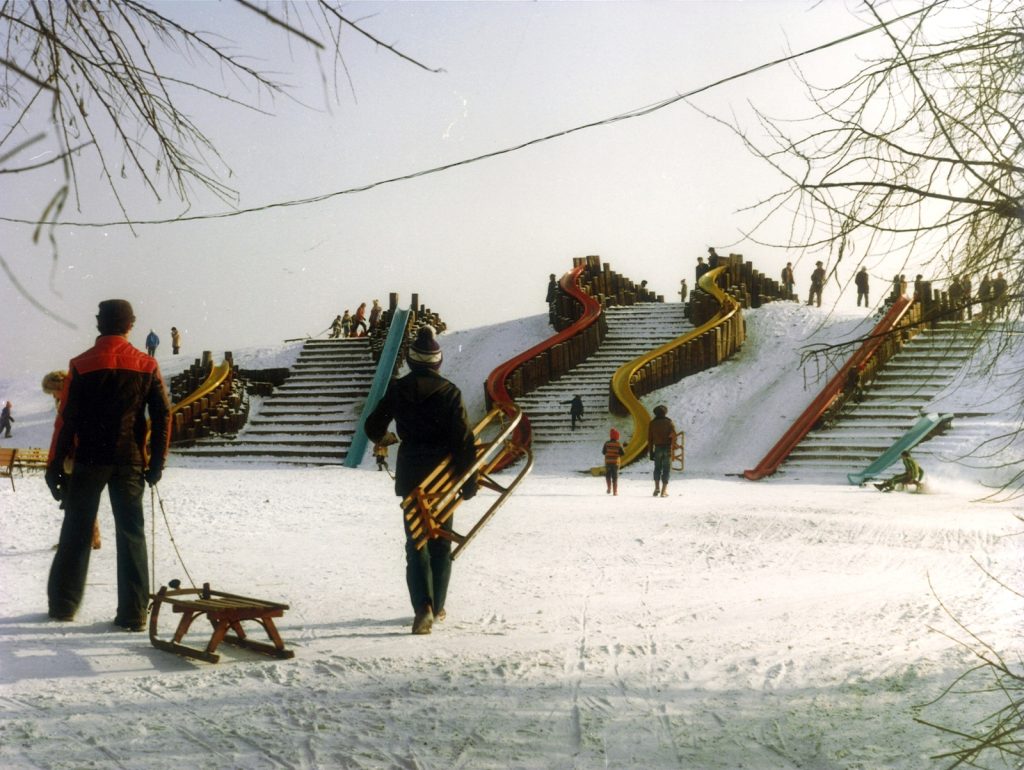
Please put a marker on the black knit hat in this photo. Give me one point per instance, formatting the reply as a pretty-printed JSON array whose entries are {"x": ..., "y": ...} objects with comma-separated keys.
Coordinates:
[
  {"x": 425, "y": 352},
  {"x": 115, "y": 317}
]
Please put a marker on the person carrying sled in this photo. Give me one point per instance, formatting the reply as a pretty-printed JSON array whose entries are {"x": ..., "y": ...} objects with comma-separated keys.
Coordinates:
[
  {"x": 612, "y": 451},
  {"x": 912, "y": 474},
  {"x": 661, "y": 435},
  {"x": 431, "y": 424},
  {"x": 102, "y": 426}
]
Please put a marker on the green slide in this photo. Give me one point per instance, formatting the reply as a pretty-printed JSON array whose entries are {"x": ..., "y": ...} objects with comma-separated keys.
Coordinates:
[{"x": 923, "y": 428}]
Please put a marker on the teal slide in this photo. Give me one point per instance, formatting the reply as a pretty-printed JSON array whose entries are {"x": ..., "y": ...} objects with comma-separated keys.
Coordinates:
[
  {"x": 386, "y": 365},
  {"x": 923, "y": 428}
]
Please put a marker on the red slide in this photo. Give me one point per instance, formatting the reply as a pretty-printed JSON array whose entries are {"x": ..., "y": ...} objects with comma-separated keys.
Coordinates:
[
  {"x": 813, "y": 413},
  {"x": 497, "y": 393}
]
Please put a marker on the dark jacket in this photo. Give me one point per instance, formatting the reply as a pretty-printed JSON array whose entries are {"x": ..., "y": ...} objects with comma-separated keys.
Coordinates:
[
  {"x": 102, "y": 415},
  {"x": 661, "y": 432},
  {"x": 431, "y": 422}
]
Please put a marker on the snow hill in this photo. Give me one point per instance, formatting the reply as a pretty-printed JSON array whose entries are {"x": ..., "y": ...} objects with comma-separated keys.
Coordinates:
[{"x": 734, "y": 624}]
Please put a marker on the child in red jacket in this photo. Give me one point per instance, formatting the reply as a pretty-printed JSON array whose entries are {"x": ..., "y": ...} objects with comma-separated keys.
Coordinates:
[{"x": 612, "y": 451}]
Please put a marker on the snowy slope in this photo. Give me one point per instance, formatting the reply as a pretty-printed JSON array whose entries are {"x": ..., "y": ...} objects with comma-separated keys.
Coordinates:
[{"x": 732, "y": 625}]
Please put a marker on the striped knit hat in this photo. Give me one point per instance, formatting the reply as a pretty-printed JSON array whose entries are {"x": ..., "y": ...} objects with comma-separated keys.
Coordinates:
[{"x": 425, "y": 352}]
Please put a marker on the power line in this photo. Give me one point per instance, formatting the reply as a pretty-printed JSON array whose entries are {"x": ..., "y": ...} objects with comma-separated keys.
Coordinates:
[{"x": 635, "y": 113}]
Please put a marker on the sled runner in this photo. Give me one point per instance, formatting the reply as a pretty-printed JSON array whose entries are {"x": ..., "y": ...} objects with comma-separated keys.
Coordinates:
[
  {"x": 225, "y": 613},
  {"x": 428, "y": 507}
]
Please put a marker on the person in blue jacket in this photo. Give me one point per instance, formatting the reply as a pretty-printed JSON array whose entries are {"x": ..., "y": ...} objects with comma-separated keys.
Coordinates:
[{"x": 151, "y": 343}]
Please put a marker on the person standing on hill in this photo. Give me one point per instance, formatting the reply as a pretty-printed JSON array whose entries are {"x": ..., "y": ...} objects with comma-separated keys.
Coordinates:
[
  {"x": 335, "y": 328},
  {"x": 661, "y": 435},
  {"x": 817, "y": 284},
  {"x": 152, "y": 341},
  {"x": 956, "y": 298},
  {"x": 6, "y": 419},
  {"x": 359, "y": 320},
  {"x": 999, "y": 288},
  {"x": 175, "y": 340},
  {"x": 985, "y": 295},
  {"x": 431, "y": 424},
  {"x": 101, "y": 426},
  {"x": 788, "y": 280},
  {"x": 612, "y": 451},
  {"x": 375, "y": 312},
  {"x": 862, "y": 286},
  {"x": 702, "y": 267}
]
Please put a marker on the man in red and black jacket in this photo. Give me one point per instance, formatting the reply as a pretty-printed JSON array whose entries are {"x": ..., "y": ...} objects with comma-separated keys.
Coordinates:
[{"x": 101, "y": 439}]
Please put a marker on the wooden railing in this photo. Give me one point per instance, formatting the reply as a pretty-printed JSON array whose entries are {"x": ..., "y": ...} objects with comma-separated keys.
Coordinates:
[
  {"x": 548, "y": 360},
  {"x": 708, "y": 345},
  {"x": 213, "y": 407}
]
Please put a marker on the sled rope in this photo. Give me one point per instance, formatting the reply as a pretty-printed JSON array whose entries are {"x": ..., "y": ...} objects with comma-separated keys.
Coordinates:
[{"x": 154, "y": 492}]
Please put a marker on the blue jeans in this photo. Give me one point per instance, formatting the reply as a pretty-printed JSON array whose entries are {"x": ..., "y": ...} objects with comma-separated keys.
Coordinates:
[
  {"x": 66, "y": 584},
  {"x": 662, "y": 464}
]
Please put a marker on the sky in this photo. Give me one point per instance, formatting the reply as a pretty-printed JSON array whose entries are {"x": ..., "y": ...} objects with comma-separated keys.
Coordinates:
[{"x": 476, "y": 242}]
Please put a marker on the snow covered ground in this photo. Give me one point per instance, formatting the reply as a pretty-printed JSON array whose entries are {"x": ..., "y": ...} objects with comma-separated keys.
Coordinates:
[{"x": 732, "y": 625}]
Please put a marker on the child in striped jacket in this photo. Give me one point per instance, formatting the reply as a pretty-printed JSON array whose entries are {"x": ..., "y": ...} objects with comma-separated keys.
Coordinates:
[{"x": 612, "y": 451}]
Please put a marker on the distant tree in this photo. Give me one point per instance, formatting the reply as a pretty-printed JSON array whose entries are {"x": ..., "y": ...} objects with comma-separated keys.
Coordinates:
[
  {"x": 920, "y": 153},
  {"x": 99, "y": 84}
]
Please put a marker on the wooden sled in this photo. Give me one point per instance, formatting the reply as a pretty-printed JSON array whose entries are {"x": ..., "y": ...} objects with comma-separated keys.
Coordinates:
[
  {"x": 432, "y": 504},
  {"x": 678, "y": 461},
  {"x": 225, "y": 613}
]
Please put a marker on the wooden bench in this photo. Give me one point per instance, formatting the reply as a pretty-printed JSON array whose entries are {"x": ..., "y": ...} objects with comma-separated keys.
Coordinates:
[
  {"x": 225, "y": 613},
  {"x": 31, "y": 458},
  {"x": 7, "y": 464}
]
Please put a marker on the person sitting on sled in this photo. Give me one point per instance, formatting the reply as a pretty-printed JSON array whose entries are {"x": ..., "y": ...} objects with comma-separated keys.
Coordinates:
[{"x": 912, "y": 474}]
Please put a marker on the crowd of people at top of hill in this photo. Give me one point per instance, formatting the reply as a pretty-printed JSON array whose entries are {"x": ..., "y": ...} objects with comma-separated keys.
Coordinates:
[
  {"x": 990, "y": 302},
  {"x": 992, "y": 296},
  {"x": 356, "y": 324}
]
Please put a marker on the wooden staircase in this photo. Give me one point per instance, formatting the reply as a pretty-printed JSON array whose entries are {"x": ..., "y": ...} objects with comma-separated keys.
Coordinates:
[
  {"x": 923, "y": 370},
  {"x": 311, "y": 418},
  {"x": 632, "y": 331}
]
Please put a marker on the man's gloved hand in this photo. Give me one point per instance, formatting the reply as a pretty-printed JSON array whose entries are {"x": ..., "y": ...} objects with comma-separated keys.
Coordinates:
[
  {"x": 152, "y": 474},
  {"x": 469, "y": 489},
  {"x": 56, "y": 480}
]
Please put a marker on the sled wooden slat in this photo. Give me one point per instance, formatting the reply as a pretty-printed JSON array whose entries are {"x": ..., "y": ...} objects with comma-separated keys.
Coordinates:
[
  {"x": 31, "y": 458},
  {"x": 7, "y": 464},
  {"x": 432, "y": 504},
  {"x": 225, "y": 612}
]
